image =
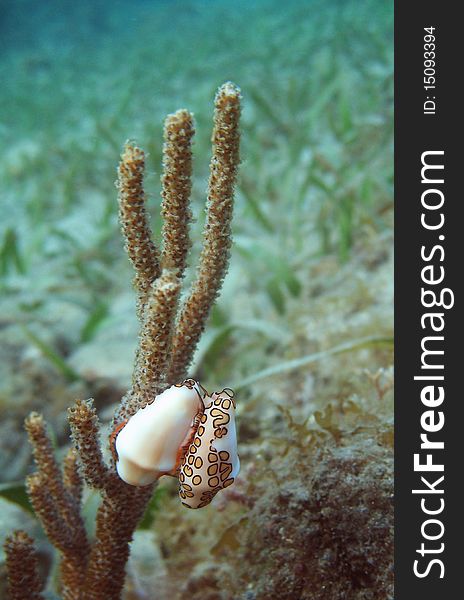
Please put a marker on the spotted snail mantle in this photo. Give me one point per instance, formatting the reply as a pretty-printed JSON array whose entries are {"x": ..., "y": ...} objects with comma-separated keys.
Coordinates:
[{"x": 185, "y": 433}]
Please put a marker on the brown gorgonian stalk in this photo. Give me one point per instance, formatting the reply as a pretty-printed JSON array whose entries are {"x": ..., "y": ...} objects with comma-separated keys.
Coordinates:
[{"x": 94, "y": 569}]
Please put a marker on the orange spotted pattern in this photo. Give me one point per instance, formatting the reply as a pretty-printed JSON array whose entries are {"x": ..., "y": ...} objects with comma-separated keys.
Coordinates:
[{"x": 209, "y": 462}]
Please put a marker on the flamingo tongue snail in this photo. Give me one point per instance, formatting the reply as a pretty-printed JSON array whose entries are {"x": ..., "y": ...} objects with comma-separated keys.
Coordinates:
[{"x": 185, "y": 433}]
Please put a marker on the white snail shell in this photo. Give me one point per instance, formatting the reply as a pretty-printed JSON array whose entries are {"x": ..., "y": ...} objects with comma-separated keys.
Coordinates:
[
  {"x": 149, "y": 443},
  {"x": 185, "y": 433}
]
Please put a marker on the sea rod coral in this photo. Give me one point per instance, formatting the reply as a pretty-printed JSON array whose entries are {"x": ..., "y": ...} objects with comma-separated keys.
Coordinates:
[{"x": 92, "y": 569}]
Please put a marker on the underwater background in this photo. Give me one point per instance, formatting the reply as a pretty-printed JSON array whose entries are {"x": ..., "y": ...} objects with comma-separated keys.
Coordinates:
[{"x": 302, "y": 330}]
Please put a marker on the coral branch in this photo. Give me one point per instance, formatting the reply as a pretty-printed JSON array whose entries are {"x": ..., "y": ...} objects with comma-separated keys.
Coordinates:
[
  {"x": 71, "y": 476},
  {"x": 214, "y": 257},
  {"x": 96, "y": 571},
  {"x": 48, "y": 468},
  {"x": 134, "y": 221},
  {"x": 58, "y": 508},
  {"x": 43, "y": 451},
  {"x": 176, "y": 181},
  {"x": 72, "y": 543},
  {"x": 117, "y": 519},
  {"x": 58, "y": 532},
  {"x": 84, "y": 425},
  {"x": 24, "y": 580},
  {"x": 155, "y": 339}
]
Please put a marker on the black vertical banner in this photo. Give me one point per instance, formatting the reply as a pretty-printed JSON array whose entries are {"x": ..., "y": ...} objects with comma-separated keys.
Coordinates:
[{"x": 429, "y": 424}]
